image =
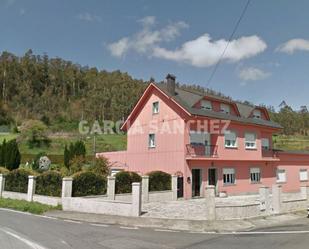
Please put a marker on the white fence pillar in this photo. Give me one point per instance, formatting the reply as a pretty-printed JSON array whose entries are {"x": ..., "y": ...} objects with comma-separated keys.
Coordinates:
[
  {"x": 67, "y": 187},
  {"x": 174, "y": 187},
  {"x": 2, "y": 184},
  {"x": 276, "y": 198},
  {"x": 136, "y": 199},
  {"x": 31, "y": 188},
  {"x": 145, "y": 189},
  {"x": 111, "y": 187},
  {"x": 210, "y": 202},
  {"x": 303, "y": 191},
  {"x": 265, "y": 203}
]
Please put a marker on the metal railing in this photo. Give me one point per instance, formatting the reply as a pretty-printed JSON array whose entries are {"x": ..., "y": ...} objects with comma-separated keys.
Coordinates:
[{"x": 200, "y": 150}]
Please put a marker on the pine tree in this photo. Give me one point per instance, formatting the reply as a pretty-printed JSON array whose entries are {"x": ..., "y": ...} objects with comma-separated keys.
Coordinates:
[
  {"x": 66, "y": 156},
  {"x": 2, "y": 153},
  {"x": 12, "y": 156}
]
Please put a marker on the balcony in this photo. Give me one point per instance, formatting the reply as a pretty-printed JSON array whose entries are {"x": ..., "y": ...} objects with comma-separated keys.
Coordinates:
[
  {"x": 269, "y": 153},
  {"x": 201, "y": 150}
]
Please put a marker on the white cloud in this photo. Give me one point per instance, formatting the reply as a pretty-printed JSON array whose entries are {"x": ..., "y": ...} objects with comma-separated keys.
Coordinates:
[
  {"x": 204, "y": 52},
  {"x": 252, "y": 74},
  {"x": 89, "y": 17},
  {"x": 293, "y": 45},
  {"x": 144, "y": 41},
  {"x": 200, "y": 52}
]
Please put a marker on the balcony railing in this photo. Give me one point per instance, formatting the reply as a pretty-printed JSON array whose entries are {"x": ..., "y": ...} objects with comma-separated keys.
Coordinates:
[
  {"x": 269, "y": 153},
  {"x": 200, "y": 150}
]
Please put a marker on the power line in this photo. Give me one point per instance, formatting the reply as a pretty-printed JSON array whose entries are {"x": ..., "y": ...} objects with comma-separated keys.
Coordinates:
[{"x": 230, "y": 38}]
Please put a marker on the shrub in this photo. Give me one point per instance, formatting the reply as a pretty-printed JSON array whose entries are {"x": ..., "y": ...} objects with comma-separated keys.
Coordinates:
[
  {"x": 49, "y": 183},
  {"x": 4, "y": 171},
  {"x": 159, "y": 181},
  {"x": 100, "y": 166},
  {"x": 87, "y": 183},
  {"x": 124, "y": 180},
  {"x": 10, "y": 155},
  {"x": 77, "y": 149},
  {"x": 17, "y": 180}
]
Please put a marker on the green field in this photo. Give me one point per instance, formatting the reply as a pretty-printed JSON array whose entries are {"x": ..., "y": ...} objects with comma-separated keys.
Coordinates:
[
  {"x": 109, "y": 142},
  {"x": 291, "y": 142}
]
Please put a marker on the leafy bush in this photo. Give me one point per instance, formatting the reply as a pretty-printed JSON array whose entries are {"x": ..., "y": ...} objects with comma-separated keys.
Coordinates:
[
  {"x": 49, "y": 183},
  {"x": 159, "y": 181},
  {"x": 124, "y": 180},
  {"x": 4, "y": 171},
  {"x": 100, "y": 166},
  {"x": 77, "y": 149},
  {"x": 87, "y": 183},
  {"x": 17, "y": 180}
]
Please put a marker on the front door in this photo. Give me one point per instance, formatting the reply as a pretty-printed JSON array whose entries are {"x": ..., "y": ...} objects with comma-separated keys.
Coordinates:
[
  {"x": 196, "y": 182},
  {"x": 212, "y": 177}
]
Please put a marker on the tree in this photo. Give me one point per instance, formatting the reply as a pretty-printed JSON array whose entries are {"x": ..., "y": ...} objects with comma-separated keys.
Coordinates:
[
  {"x": 12, "y": 156},
  {"x": 2, "y": 153},
  {"x": 34, "y": 132},
  {"x": 100, "y": 166},
  {"x": 77, "y": 149}
]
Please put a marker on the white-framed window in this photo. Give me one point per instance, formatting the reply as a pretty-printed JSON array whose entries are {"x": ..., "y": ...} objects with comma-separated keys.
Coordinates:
[
  {"x": 303, "y": 175},
  {"x": 281, "y": 175},
  {"x": 256, "y": 113},
  {"x": 206, "y": 104},
  {"x": 152, "y": 140},
  {"x": 229, "y": 176},
  {"x": 265, "y": 144},
  {"x": 250, "y": 140},
  {"x": 225, "y": 108},
  {"x": 255, "y": 175},
  {"x": 230, "y": 139},
  {"x": 155, "y": 107}
]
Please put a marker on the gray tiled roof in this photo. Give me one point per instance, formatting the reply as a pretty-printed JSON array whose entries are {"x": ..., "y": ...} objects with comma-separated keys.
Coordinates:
[{"x": 188, "y": 98}]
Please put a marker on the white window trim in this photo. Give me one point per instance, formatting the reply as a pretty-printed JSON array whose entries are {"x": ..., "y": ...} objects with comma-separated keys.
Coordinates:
[
  {"x": 232, "y": 172},
  {"x": 285, "y": 176},
  {"x": 231, "y": 146},
  {"x": 151, "y": 146},
  {"x": 255, "y": 170},
  {"x": 155, "y": 110},
  {"x": 254, "y": 113},
  {"x": 300, "y": 175},
  {"x": 206, "y": 107},
  {"x": 223, "y": 110},
  {"x": 253, "y": 143},
  {"x": 264, "y": 147}
]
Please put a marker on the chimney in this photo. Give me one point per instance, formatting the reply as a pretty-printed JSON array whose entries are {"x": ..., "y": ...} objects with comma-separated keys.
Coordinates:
[{"x": 171, "y": 84}]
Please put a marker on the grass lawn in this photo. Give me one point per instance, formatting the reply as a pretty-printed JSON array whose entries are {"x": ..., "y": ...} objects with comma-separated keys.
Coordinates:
[{"x": 24, "y": 206}]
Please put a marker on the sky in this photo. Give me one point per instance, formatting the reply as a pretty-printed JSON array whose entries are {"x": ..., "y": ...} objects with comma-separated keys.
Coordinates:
[{"x": 266, "y": 61}]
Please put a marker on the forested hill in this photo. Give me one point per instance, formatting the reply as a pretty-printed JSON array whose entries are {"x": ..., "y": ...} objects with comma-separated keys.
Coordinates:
[{"x": 60, "y": 93}]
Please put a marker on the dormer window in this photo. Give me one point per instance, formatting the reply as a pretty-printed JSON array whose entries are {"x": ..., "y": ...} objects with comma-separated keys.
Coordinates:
[
  {"x": 256, "y": 113},
  {"x": 155, "y": 107},
  {"x": 224, "y": 108},
  {"x": 206, "y": 104}
]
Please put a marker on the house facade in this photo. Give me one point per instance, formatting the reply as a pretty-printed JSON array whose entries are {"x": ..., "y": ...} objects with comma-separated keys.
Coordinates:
[{"x": 206, "y": 140}]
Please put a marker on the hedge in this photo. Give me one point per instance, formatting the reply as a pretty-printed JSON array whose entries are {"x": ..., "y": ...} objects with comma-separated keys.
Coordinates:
[
  {"x": 124, "y": 180},
  {"x": 17, "y": 180},
  {"x": 49, "y": 183},
  {"x": 87, "y": 183},
  {"x": 159, "y": 181}
]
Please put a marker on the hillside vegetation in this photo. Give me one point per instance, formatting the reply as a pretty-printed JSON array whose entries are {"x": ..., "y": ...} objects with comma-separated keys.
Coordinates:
[{"x": 60, "y": 93}]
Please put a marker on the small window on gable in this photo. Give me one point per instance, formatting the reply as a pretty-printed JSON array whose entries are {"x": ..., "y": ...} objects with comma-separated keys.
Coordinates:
[
  {"x": 256, "y": 113},
  {"x": 303, "y": 175},
  {"x": 155, "y": 107},
  {"x": 225, "y": 108},
  {"x": 152, "y": 141},
  {"x": 206, "y": 104}
]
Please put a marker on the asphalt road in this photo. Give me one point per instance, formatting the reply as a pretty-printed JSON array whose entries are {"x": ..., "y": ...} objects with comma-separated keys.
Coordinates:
[{"x": 24, "y": 231}]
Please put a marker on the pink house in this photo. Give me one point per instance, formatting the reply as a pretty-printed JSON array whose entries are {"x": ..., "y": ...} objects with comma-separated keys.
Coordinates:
[{"x": 206, "y": 140}]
